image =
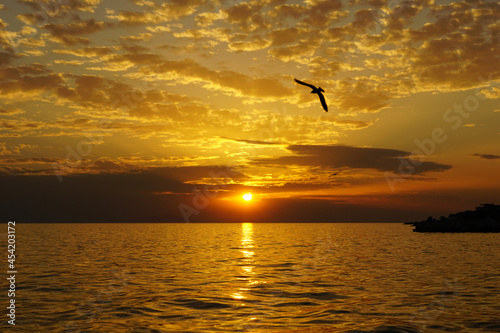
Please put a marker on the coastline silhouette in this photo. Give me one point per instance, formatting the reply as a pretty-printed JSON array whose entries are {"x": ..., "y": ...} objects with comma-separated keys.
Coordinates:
[
  {"x": 485, "y": 218},
  {"x": 316, "y": 91}
]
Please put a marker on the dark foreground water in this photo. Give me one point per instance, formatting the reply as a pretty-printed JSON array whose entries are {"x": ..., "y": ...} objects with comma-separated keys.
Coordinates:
[{"x": 252, "y": 278}]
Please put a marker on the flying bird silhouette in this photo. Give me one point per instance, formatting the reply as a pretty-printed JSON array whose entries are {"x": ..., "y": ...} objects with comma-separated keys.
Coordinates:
[{"x": 315, "y": 91}]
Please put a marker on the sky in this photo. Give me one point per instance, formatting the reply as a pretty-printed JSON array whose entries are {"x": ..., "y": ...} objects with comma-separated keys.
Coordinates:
[{"x": 170, "y": 111}]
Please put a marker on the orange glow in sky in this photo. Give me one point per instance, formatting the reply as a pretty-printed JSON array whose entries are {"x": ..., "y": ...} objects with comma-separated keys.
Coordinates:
[{"x": 137, "y": 109}]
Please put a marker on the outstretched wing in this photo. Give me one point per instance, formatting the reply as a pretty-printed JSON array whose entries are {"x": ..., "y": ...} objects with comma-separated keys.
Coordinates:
[
  {"x": 305, "y": 84},
  {"x": 323, "y": 102}
]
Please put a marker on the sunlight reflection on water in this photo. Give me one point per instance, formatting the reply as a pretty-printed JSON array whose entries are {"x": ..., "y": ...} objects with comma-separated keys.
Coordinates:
[{"x": 287, "y": 277}]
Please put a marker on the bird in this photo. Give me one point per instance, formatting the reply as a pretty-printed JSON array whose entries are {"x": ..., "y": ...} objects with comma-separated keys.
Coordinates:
[{"x": 316, "y": 91}]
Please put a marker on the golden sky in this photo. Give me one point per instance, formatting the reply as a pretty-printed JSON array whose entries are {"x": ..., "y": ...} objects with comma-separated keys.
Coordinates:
[{"x": 150, "y": 110}]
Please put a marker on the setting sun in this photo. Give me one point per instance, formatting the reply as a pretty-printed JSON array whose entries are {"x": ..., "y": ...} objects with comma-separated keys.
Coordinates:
[{"x": 247, "y": 196}]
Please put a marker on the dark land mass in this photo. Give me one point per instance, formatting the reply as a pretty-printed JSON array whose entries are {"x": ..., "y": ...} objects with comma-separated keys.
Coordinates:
[{"x": 486, "y": 218}]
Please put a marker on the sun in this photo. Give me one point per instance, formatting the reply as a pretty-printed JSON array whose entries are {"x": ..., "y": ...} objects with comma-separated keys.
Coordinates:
[{"x": 247, "y": 196}]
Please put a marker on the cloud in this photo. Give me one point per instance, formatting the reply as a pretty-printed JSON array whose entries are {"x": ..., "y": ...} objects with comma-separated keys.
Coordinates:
[
  {"x": 245, "y": 85},
  {"x": 156, "y": 12},
  {"x": 87, "y": 51},
  {"x": 145, "y": 36},
  {"x": 321, "y": 67},
  {"x": 253, "y": 44},
  {"x": 70, "y": 34},
  {"x": 10, "y": 112},
  {"x": 21, "y": 124},
  {"x": 136, "y": 18},
  {"x": 284, "y": 12},
  {"x": 320, "y": 13},
  {"x": 8, "y": 45},
  {"x": 286, "y": 36},
  {"x": 7, "y": 57},
  {"x": 384, "y": 160},
  {"x": 487, "y": 156},
  {"x": 52, "y": 10},
  {"x": 6, "y": 149},
  {"x": 458, "y": 47},
  {"x": 32, "y": 160},
  {"x": 491, "y": 93},
  {"x": 246, "y": 17},
  {"x": 110, "y": 58},
  {"x": 363, "y": 94},
  {"x": 28, "y": 79},
  {"x": 130, "y": 59},
  {"x": 92, "y": 91},
  {"x": 255, "y": 142}
]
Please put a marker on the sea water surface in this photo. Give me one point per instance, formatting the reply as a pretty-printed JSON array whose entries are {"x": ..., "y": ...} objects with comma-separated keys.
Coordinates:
[{"x": 252, "y": 277}]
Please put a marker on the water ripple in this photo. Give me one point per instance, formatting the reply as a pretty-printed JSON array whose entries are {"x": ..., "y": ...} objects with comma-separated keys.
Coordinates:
[{"x": 378, "y": 278}]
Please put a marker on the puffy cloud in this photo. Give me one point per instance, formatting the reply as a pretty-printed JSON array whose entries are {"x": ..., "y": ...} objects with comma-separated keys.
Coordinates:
[
  {"x": 285, "y": 36},
  {"x": 322, "y": 67},
  {"x": 7, "y": 57},
  {"x": 11, "y": 150},
  {"x": 10, "y": 112},
  {"x": 20, "y": 125},
  {"x": 87, "y": 51},
  {"x": 56, "y": 9},
  {"x": 491, "y": 92},
  {"x": 8, "y": 42},
  {"x": 50, "y": 11},
  {"x": 136, "y": 58},
  {"x": 157, "y": 12},
  {"x": 70, "y": 34},
  {"x": 4, "y": 150},
  {"x": 225, "y": 79},
  {"x": 110, "y": 58},
  {"x": 136, "y": 18},
  {"x": 33, "y": 160},
  {"x": 253, "y": 44},
  {"x": 206, "y": 19},
  {"x": 321, "y": 12},
  {"x": 363, "y": 94},
  {"x": 145, "y": 36},
  {"x": 16, "y": 81},
  {"x": 247, "y": 17},
  {"x": 94, "y": 91},
  {"x": 287, "y": 11},
  {"x": 458, "y": 47},
  {"x": 364, "y": 19}
]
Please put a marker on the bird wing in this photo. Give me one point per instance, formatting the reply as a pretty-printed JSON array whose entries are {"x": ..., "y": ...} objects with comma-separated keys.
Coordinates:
[
  {"x": 305, "y": 84},
  {"x": 323, "y": 102}
]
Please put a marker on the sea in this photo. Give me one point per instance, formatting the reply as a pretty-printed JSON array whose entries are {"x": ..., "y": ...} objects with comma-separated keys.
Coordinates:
[{"x": 251, "y": 277}]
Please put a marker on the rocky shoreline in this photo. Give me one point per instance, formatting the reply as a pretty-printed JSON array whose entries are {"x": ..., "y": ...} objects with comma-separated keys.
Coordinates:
[{"x": 486, "y": 218}]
